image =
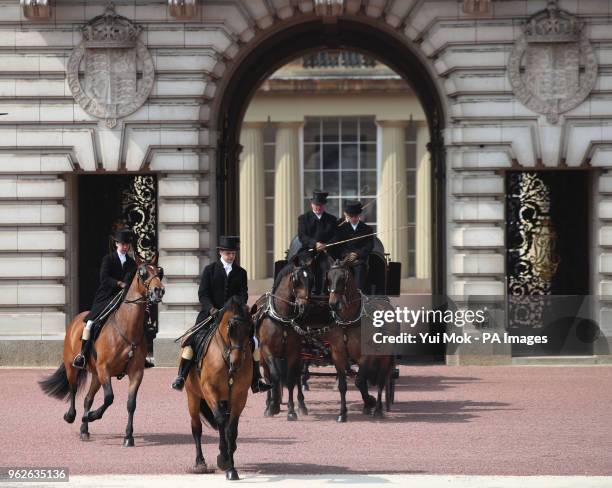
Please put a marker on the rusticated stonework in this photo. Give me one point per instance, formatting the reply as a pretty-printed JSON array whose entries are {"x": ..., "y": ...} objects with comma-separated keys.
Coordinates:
[
  {"x": 545, "y": 65},
  {"x": 109, "y": 56}
]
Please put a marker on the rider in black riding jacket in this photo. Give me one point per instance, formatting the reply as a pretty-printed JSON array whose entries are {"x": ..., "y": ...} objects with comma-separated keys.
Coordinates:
[
  {"x": 316, "y": 228},
  {"x": 116, "y": 273},
  {"x": 219, "y": 281},
  {"x": 356, "y": 251}
]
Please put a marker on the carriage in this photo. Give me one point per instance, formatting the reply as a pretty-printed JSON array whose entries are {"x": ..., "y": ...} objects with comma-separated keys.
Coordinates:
[{"x": 383, "y": 279}]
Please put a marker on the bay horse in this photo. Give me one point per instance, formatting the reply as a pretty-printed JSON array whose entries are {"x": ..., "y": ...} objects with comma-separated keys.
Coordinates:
[
  {"x": 217, "y": 389},
  {"x": 120, "y": 349},
  {"x": 279, "y": 337},
  {"x": 348, "y": 310}
]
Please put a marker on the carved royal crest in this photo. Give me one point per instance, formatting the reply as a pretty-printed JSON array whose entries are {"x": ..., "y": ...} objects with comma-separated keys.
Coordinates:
[
  {"x": 552, "y": 67},
  {"x": 110, "y": 56}
]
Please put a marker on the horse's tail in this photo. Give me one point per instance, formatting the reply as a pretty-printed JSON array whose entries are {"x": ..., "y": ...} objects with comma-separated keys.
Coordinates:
[
  {"x": 207, "y": 415},
  {"x": 57, "y": 385}
]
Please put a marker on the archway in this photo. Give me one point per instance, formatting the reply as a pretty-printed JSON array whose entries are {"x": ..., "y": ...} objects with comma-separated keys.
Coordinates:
[{"x": 275, "y": 47}]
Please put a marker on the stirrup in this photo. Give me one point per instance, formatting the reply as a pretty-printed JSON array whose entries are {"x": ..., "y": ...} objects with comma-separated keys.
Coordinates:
[
  {"x": 260, "y": 386},
  {"x": 178, "y": 383}
]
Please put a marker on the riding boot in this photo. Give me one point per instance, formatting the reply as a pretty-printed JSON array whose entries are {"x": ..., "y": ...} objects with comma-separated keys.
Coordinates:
[
  {"x": 258, "y": 384},
  {"x": 80, "y": 360},
  {"x": 183, "y": 371}
]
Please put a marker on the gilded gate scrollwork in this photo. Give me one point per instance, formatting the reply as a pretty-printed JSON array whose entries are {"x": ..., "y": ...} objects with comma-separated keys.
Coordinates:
[
  {"x": 140, "y": 213},
  {"x": 532, "y": 258}
]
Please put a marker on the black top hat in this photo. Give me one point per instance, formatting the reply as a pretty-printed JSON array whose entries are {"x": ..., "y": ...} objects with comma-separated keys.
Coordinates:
[
  {"x": 353, "y": 207},
  {"x": 228, "y": 243},
  {"x": 124, "y": 235},
  {"x": 319, "y": 197}
]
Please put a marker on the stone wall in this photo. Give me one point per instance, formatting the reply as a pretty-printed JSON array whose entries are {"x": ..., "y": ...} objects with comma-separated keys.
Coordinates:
[{"x": 47, "y": 135}]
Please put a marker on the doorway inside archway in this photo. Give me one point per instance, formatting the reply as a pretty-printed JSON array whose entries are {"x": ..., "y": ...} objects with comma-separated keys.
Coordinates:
[{"x": 346, "y": 124}]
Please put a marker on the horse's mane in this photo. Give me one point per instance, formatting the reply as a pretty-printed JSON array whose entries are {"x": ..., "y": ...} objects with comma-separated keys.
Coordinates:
[
  {"x": 235, "y": 305},
  {"x": 287, "y": 269}
]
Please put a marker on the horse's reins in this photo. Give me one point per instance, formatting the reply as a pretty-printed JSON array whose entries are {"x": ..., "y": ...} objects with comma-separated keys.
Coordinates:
[
  {"x": 360, "y": 296},
  {"x": 147, "y": 283},
  {"x": 271, "y": 297},
  {"x": 141, "y": 299},
  {"x": 228, "y": 348}
]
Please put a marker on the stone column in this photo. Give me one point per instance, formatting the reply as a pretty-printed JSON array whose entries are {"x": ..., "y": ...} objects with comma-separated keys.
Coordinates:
[
  {"x": 392, "y": 203},
  {"x": 252, "y": 201},
  {"x": 287, "y": 193},
  {"x": 423, "y": 203}
]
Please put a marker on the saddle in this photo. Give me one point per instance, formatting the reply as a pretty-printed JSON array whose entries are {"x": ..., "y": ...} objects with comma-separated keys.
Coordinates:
[
  {"x": 100, "y": 321},
  {"x": 201, "y": 341}
]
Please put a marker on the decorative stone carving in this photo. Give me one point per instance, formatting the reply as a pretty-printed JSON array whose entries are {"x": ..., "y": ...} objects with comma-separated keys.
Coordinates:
[
  {"x": 110, "y": 55},
  {"x": 36, "y": 9},
  {"x": 545, "y": 65},
  {"x": 183, "y": 9},
  {"x": 328, "y": 8}
]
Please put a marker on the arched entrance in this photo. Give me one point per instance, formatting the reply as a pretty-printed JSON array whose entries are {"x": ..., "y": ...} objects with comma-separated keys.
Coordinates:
[{"x": 273, "y": 48}]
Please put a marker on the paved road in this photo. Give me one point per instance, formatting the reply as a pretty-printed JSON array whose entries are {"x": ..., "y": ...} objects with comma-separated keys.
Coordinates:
[
  {"x": 446, "y": 421},
  {"x": 351, "y": 480}
]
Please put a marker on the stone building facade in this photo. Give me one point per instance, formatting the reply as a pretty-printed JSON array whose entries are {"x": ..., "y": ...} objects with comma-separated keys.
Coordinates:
[{"x": 508, "y": 87}]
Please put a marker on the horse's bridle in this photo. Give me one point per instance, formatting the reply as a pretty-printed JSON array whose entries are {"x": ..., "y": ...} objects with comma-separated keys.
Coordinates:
[
  {"x": 293, "y": 279},
  {"x": 147, "y": 284},
  {"x": 360, "y": 296},
  {"x": 228, "y": 348},
  {"x": 345, "y": 272}
]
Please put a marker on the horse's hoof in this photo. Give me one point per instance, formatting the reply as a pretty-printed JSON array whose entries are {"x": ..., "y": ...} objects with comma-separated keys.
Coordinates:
[
  {"x": 69, "y": 417},
  {"x": 201, "y": 468},
  {"x": 377, "y": 413},
  {"x": 342, "y": 418},
  {"x": 231, "y": 475},
  {"x": 223, "y": 462},
  {"x": 303, "y": 410},
  {"x": 291, "y": 416},
  {"x": 371, "y": 402},
  {"x": 267, "y": 412},
  {"x": 128, "y": 442},
  {"x": 366, "y": 410},
  {"x": 84, "y": 436},
  {"x": 274, "y": 411}
]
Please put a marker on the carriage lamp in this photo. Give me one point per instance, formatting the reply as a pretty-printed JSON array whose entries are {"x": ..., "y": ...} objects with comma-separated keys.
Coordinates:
[
  {"x": 329, "y": 7},
  {"x": 183, "y": 9},
  {"x": 36, "y": 9}
]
